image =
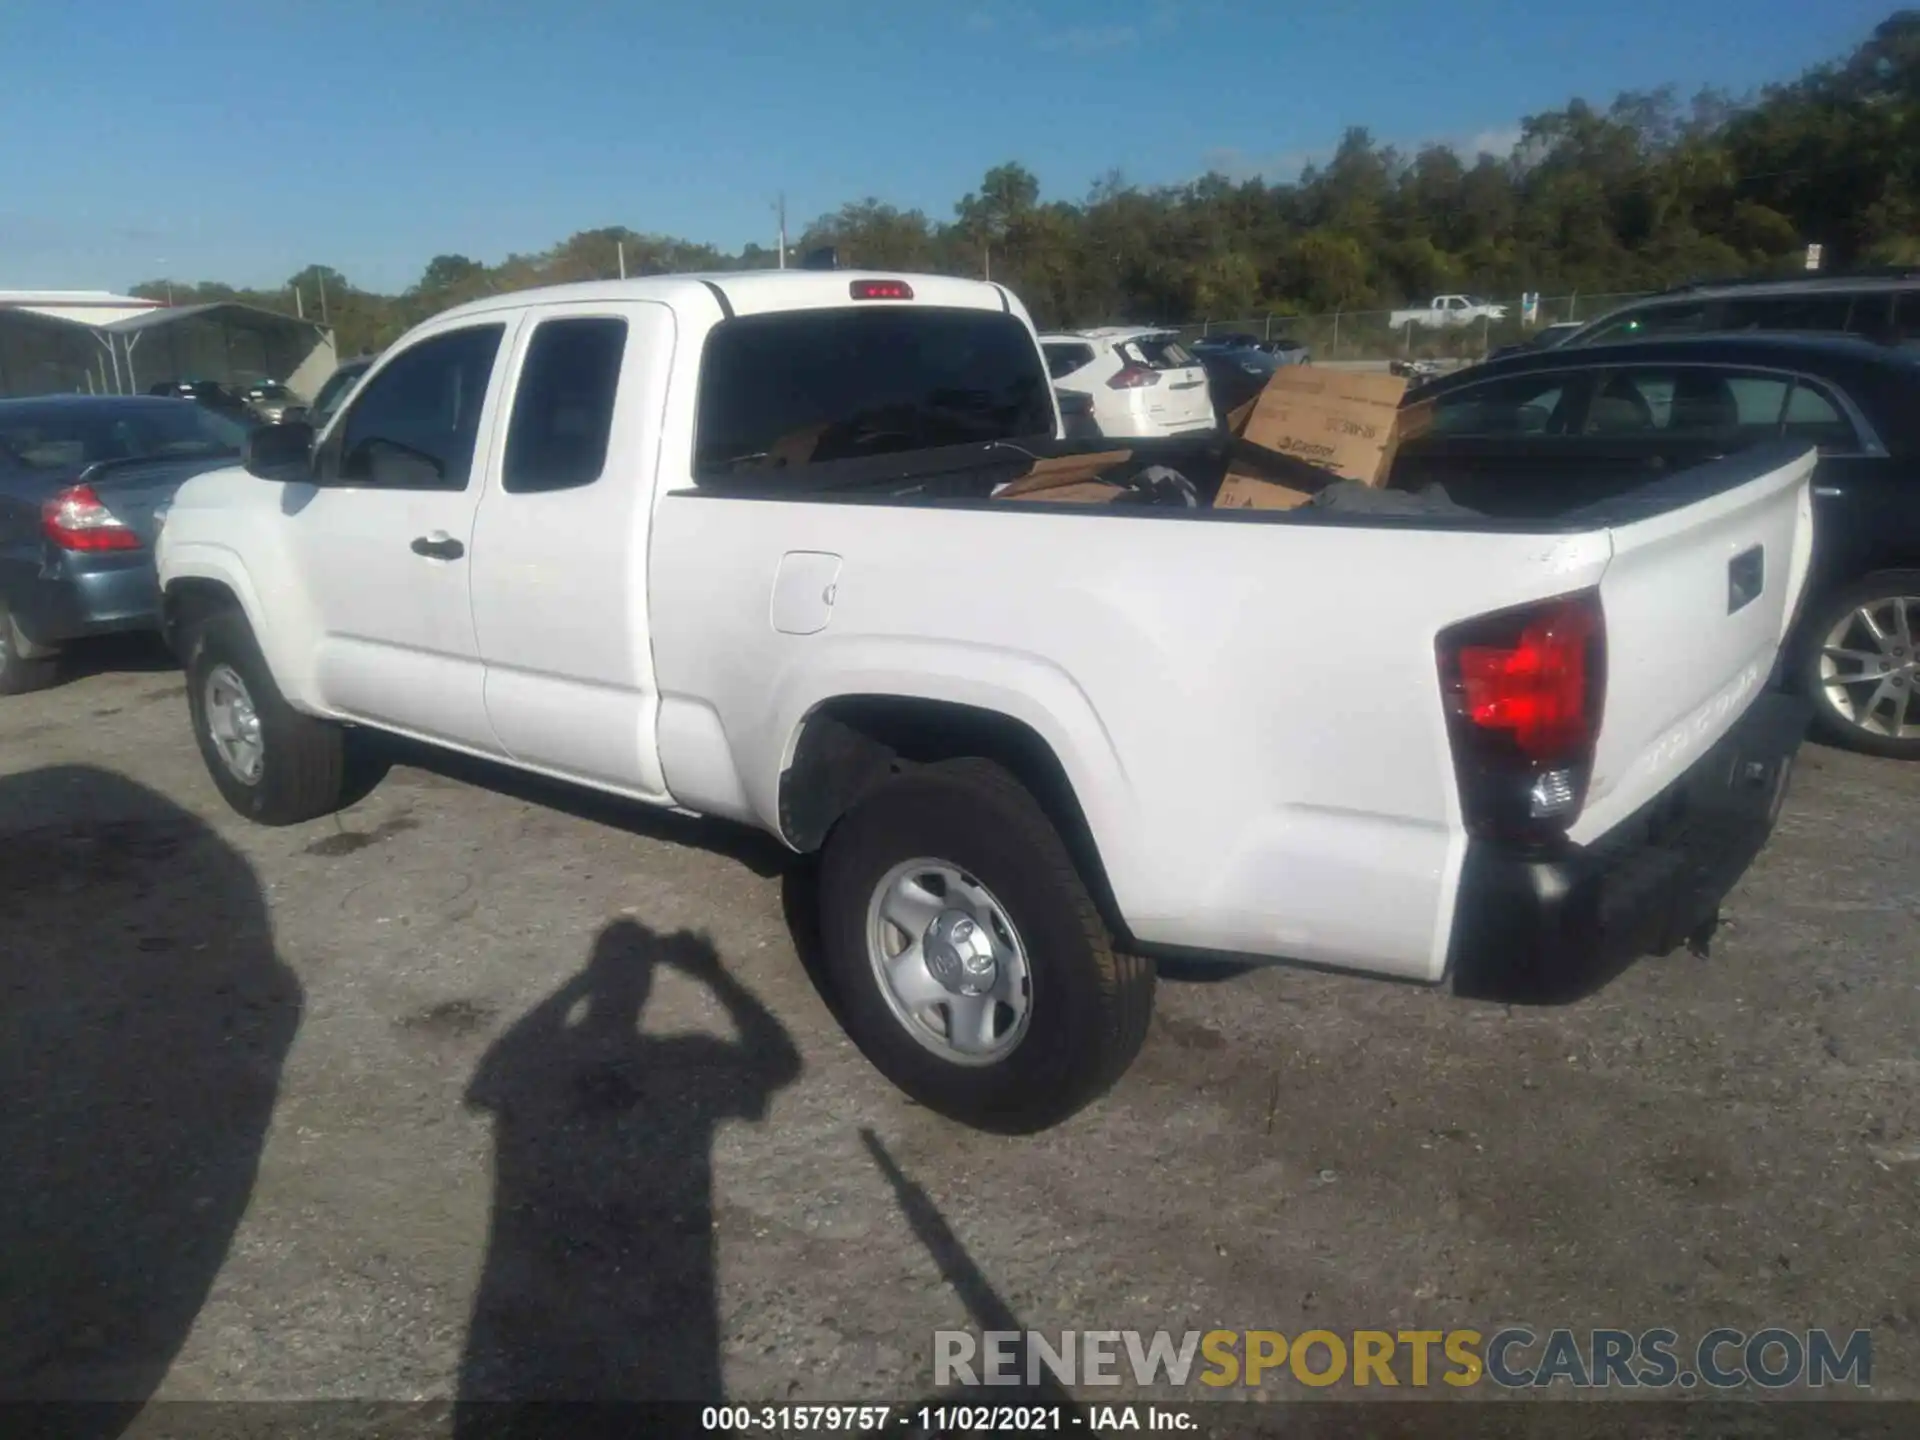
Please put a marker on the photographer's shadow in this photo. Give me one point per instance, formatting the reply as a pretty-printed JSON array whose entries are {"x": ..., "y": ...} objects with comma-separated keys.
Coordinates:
[
  {"x": 145, "y": 1018},
  {"x": 599, "y": 1281}
]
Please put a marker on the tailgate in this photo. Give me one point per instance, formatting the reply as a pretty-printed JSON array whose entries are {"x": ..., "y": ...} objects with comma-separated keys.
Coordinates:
[
  {"x": 1698, "y": 599},
  {"x": 1181, "y": 397}
]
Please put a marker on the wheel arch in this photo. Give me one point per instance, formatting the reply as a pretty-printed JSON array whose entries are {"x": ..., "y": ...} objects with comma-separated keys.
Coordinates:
[
  {"x": 189, "y": 600},
  {"x": 848, "y": 745},
  {"x": 203, "y": 579}
]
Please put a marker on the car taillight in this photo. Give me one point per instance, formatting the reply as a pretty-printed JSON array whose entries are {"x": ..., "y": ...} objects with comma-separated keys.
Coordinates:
[
  {"x": 880, "y": 290},
  {"x": 1524, "y": 689},
  {"x": 1134, "y": 377},
  {"x": 75, "y": 519}
]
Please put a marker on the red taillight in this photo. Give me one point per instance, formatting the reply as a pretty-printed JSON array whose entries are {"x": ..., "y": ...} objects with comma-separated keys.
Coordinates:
[
  {"x": 1134, "y": 377},
  {"x": 880, "y": 290},
  {"x": 75, "y": 519},
  {"x": 1535, "y": 689},
  {"x": 1523, "y": 691}
]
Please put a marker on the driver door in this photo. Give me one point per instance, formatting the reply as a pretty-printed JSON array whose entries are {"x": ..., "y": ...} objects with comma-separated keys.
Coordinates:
[{"x": 382, "y": 540}]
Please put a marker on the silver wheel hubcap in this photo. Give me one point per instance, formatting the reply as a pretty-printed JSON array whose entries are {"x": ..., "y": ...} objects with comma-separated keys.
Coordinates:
[
  {"x": 234, "y": 725},
  {"x": 1868, "y": 667},
  {"x": 949, "y": 962}
]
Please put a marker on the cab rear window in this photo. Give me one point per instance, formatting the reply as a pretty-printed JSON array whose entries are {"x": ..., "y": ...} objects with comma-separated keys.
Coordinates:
[{"x": 809, "y": 387}]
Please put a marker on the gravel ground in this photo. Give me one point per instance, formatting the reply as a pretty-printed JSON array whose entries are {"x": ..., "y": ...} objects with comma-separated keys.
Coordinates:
[{"x": 315, "y": 1113}]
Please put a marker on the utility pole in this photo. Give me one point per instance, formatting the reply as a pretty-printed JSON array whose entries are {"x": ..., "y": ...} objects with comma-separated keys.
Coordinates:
[
  {"x": 621, "y": 246},
  {"x": 299, "y": 303},
  {"x": 780, "y": 206},
  {"x": 986, "y": 261},
  {"x": 321, "y": 276}
]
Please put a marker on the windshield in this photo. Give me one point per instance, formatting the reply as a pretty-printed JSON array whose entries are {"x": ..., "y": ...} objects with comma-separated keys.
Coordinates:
[
  {"x": 811, "y": 386},
  {"x": 71, "y": 435},
  {"x": 333, "y": 392}
]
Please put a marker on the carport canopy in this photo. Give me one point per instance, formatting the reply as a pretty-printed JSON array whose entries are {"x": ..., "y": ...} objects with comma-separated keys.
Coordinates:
[{"x": 225, "y": 340}]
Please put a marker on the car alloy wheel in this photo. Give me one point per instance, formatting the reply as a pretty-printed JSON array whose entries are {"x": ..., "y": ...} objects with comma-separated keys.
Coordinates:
[{"x": 1868, "y": 667}]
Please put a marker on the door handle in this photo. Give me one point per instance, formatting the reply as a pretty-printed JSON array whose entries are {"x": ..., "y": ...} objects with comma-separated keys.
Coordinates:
[{"x": 438, "y": 547}]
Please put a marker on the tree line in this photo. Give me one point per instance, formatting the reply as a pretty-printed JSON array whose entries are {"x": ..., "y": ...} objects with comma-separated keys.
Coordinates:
[{"x": 1645, "y": 192}]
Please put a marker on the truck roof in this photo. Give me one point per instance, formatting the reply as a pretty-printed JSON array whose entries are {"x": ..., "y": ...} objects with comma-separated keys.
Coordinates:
[{"x": 750, "y": 292}]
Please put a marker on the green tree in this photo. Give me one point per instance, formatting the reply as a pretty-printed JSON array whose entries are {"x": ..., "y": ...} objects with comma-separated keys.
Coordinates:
[
  {"x": 446, "y": 272},
  {"x": 1641, "y": 191}
]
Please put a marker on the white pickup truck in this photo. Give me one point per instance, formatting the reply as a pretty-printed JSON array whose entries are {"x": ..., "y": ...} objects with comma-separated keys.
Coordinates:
[
  {"x": 729, "y": 545},
  {"x": 1447, "y": 312}
]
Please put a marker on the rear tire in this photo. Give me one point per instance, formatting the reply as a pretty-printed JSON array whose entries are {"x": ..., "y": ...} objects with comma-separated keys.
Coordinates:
[
  {"x": 1087, "y": 1005},
  {"x": 24, "y": 666},
  {"x": 1838, "y": 640},
  {"x": 270, "y": 763}
]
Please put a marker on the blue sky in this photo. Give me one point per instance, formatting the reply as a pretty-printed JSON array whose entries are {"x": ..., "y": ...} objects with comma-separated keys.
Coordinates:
[{"x": 239, "y": 142}]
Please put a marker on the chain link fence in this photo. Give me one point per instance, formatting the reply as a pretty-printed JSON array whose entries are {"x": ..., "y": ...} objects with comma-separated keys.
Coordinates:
[{"x": 1370, "y": 335}]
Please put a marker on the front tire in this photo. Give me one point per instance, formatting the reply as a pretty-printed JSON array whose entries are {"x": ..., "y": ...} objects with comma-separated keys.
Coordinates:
[
  {"x": 971, "y": 964},
  {"x": 1860, "y": 664},
  {"x": 270, "y": 763}
]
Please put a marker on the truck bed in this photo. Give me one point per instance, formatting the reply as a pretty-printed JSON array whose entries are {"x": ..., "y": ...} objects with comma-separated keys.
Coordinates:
[
  {"x": 1247, "y": 701},
  {"x": 1541, "y": 501}
]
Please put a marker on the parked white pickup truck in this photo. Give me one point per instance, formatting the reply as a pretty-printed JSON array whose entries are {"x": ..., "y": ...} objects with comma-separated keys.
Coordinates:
[
  {"x": 727, "y": 545},
  {"x": 1447, "y": 311}
]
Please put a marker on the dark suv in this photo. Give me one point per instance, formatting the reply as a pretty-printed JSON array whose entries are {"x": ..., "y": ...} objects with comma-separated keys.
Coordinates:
[{"x": 1882, "y": 306}]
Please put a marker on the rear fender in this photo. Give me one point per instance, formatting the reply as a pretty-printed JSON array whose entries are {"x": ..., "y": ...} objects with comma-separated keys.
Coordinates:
[{"x": 1025, "y": 689}]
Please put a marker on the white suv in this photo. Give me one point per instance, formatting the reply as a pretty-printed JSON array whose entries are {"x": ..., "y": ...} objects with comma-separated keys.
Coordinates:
[{"x": 1143, "y": 382}]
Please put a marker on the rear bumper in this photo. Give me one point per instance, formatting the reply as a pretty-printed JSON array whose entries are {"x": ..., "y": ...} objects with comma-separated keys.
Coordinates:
[
  {"x": 1549, "y": 931},
  {"x": 113, "y": 593}
]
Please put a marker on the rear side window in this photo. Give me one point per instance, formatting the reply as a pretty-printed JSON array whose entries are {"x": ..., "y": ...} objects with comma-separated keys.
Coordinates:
[
  {"x": 413, "y": 425},
  {"x": 1157, "y": 352},
  {"x": 563, "y": 409},
  {"x": 1682, "y": 319},
  {"x": 1827, "y": 312},
  {"x": 1872, "y": 316},
  {"x": 1906, "y": 319},
  {"x": 1687, "y": 402},
  {"x": 814, "y": 386},
  {"x": 1812, "y": 416},
  {"x": 1065, "y": 359},
  {"x": 1523, "y": 405}
]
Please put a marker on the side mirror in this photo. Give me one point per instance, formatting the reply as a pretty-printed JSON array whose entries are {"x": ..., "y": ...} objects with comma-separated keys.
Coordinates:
[
  {"x": 293, "y": 414},
  {"x": 273, "y": 451}
]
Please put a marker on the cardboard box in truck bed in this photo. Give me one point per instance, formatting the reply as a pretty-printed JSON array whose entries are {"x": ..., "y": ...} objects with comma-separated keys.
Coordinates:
[
  {"x": 1074, "y": 478},
  {"x": 1344, "y": 423}
]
